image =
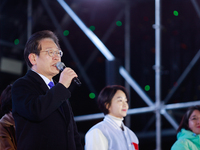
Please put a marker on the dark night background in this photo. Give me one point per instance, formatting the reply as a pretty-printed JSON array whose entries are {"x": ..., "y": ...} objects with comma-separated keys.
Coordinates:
[{"x": 180, "y": 42}]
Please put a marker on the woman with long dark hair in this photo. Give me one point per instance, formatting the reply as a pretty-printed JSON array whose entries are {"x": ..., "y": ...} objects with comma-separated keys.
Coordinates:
[{"x": 188, "y": 137}]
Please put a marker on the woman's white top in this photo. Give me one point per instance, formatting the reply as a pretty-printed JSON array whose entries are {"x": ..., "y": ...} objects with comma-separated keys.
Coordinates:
[{"x": 111, "y": 134}]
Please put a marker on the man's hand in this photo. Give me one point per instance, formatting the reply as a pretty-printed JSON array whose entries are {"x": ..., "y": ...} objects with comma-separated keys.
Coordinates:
[{"x": 66, "y": 76}]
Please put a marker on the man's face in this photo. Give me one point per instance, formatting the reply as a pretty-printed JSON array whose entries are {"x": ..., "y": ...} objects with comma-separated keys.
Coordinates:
[{"x": 45, "y": 64}]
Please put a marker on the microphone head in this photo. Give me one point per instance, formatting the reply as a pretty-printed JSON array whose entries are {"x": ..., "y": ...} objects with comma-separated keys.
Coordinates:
[{"x": 60, "y": 66}]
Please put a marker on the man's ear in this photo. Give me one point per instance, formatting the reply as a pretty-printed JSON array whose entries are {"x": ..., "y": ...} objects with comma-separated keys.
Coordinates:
[
  {"x": 107, "y": 105},
  {"x": 32, "y": 58}
]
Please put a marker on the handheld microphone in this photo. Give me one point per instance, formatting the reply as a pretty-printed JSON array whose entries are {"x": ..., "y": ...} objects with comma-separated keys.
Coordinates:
[{"x": 61, "y": 66}]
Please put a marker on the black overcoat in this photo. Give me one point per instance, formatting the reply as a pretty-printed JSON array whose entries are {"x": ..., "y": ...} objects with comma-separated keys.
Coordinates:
[{"x": 43, "y": 116}]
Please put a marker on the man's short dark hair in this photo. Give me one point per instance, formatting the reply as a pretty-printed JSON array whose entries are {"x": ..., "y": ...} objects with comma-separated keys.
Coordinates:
[
  {"x": 32, "y": 45},
  {"x": 106, "y": 95}
]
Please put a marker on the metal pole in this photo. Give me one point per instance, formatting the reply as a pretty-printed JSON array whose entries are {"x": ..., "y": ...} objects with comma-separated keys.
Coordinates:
[
  {"x": 109, "y": 56},
  {"x": 104, "y": 40},
  {"x": 29, "y": 21},
  {"x": 29, "y": 18},
  {"x": 127, "y": 54},
  {"x": 135, "y": 86},
  {"x": 182, "y": 77},
  {"x": 157, "y": 73},
  {"x": 10, "y": 44},
  {"x": 141, "y": 110},
  {"x": 195, "y": 4}
]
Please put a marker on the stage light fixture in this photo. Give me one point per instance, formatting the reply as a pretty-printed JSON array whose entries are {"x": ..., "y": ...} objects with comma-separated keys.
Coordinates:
[
  {"x": 92, "y": 28},
  {"x": 92, "y": 95},
  {"x": 66, "y": 33},
  {"x": 119, "y": 23},
  {"x": 175, "y": 13},
  {"x": 16, "y": 41},
  {"x": 147, "y": 88}
]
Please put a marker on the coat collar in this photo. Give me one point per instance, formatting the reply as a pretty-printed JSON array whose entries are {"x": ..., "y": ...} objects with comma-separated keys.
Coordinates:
[{"x": 36, "y": 78}]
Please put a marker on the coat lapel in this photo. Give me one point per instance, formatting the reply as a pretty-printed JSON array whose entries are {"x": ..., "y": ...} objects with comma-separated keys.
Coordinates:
[
  {"x": 44, "y": 88},
  {"x": 36, "y": 78}
]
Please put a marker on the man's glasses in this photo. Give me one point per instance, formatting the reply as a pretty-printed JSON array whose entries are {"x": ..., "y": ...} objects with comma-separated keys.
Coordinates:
[{"x": 52, "y": 52}]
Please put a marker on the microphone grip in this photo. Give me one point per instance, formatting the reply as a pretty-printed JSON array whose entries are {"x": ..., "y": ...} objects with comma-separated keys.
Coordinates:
[
  {"x": 61, "y": 66},
  {"x": 77, "y": 81}
]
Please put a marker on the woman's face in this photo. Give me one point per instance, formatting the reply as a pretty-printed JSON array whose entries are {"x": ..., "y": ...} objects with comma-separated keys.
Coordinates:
[
  {"x": 194, "y": 122},
  {"x": 119, "y": 105}
]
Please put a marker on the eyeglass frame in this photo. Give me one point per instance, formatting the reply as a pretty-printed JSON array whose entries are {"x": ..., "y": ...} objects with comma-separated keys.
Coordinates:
[
  {"x": 60, "y": 54},
  {"x": 194, "y": 118}
]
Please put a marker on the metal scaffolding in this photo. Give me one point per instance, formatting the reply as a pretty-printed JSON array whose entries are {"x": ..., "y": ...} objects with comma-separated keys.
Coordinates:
[
  {"x": 160, "y": 107},
  {"x": 157, "y": 107}
]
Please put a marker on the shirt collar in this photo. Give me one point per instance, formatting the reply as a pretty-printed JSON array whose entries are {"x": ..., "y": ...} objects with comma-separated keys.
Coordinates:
[{"x": 46, "y": 80}]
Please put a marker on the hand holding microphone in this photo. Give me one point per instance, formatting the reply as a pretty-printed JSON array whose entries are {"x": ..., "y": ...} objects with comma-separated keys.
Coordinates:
[{"x": 70, "y": 73}]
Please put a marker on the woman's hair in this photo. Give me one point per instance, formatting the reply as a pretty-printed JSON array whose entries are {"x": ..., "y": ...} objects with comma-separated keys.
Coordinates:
[
  {"x": 106, "y": 95},
  {"x": 6, "y": 100},
  {"x": 185, "y": 119},
  {"x": 33, "y": 44}
]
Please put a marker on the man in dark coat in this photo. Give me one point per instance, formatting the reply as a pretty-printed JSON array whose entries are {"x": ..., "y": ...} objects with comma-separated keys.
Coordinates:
[{"x": 42, "y": 113}]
